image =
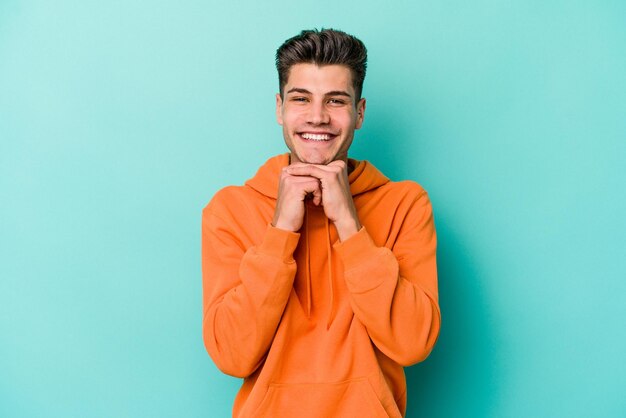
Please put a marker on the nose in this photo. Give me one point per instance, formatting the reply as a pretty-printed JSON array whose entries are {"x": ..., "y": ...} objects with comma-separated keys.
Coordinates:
[{"x": 318, "y": 114}]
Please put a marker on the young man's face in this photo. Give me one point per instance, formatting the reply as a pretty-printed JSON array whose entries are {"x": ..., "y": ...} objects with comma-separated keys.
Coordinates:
[{"x": 318, "y": 113}]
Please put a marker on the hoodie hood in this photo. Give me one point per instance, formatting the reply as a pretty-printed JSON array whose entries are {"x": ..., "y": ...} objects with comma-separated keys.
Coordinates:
[{"x": 363, "y": 178}]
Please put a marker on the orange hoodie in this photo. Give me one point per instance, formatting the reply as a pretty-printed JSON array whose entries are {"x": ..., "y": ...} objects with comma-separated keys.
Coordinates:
[{"x": 317, "y": 327}]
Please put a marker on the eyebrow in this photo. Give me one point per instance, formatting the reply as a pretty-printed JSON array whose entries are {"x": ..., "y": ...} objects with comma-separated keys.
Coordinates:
[
  {"x": 298, "y": 90},
  {"x": 338, "y": 93},
  {"x": 330, "y": 93}
]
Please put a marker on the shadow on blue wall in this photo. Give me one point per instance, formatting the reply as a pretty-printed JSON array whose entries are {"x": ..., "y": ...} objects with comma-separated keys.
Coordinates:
[{"x": 460, "y": 370}]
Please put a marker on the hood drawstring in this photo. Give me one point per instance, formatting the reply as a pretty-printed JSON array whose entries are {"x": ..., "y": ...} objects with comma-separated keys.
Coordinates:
[
  {"x": 307, "y": 259},
  {"x": 331, "y": 314}
]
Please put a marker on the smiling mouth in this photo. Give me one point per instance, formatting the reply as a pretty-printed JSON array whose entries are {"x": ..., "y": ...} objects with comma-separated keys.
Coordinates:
[{"x": 316, "y": 137}]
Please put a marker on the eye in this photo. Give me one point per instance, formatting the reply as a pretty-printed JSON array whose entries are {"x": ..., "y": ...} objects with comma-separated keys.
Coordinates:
[
  {"x": 299, "y": 99},
  {"x": 335, "y": 101}
]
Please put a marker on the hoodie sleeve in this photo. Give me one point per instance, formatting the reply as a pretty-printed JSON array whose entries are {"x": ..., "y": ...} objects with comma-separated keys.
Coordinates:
[
  {"x": 244, "y": 292},
  {"x": 394, "y": 293}
]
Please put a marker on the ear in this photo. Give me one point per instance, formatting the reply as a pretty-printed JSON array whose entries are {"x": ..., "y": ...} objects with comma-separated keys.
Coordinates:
[
  {"x": 360, "y": 113},
  {"x": 279, "y": 109}
]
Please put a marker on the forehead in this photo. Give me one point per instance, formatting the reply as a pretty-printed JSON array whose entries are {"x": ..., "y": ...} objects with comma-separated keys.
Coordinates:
[{"x": 316, "y": 78}]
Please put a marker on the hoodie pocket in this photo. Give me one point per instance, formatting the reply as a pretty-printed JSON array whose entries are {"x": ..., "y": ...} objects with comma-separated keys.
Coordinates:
[{"x": 347, "y": 399}]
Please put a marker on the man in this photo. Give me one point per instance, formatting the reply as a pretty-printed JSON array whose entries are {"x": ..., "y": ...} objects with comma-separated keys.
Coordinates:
[{"x": 319, "y": 274}]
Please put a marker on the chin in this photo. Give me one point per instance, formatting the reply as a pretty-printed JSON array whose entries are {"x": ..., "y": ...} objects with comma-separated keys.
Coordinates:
[
  {"x": 317, "y": 160},
  {"x": 313, "y": 159}
]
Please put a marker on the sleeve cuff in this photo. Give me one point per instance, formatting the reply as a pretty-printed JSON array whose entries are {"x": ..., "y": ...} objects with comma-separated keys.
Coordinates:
[
  {"x": 279, "y": 243},
  {"x": 354, "y": 249}
]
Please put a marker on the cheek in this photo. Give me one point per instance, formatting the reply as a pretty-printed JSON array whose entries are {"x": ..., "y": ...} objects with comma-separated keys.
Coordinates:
[
  {"x": 290, "y": 118},
  {"x": 346, "y": 120}
]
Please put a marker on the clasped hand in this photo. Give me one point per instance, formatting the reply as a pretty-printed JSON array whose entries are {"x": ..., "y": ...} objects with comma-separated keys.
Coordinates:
[{"x": 325, "y": 185}]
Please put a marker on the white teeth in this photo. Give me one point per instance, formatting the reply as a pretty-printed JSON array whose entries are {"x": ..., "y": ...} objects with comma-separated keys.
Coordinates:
[{"x": 316, "y": 137}]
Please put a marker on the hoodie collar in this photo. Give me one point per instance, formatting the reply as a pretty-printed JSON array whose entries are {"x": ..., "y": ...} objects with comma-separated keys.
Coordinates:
[{"x": 363, "y": 178}]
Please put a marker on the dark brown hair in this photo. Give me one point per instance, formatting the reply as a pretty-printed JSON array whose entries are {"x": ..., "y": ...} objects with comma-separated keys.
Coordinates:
[{"x": 323, "y": 47}]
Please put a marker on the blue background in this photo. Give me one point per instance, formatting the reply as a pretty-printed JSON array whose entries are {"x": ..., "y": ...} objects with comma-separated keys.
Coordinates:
[{"x": 120, "y": 119}]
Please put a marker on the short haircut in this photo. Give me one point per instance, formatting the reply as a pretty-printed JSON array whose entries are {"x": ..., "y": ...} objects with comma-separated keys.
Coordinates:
[{"x": 323, "y": 47}]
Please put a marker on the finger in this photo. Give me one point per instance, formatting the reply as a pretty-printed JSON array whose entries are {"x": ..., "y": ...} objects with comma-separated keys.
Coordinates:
[
  {"x": 339, "y": 164},
  {"x": 301, "y": 179},
  {"x": 334, "y": 163},
  {"x": 290, "y": 181},
  {"x": 310, "y": 170},
  {"x": 326, "y": 167},
  {"x": 317, "y": 196},
  {"x": 305, "y": 185}
]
